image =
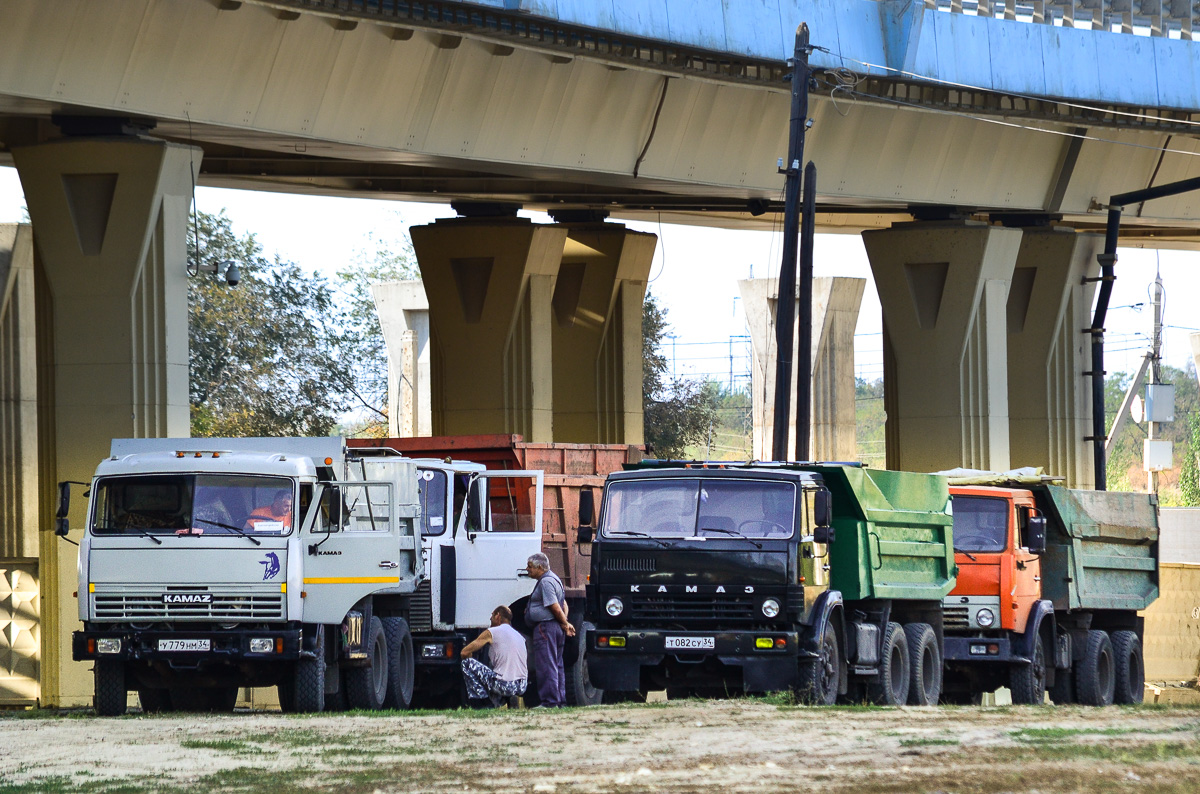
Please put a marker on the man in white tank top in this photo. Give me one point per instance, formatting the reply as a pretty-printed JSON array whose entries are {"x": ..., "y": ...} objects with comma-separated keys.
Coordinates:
[{"x": 509, "y": 673}]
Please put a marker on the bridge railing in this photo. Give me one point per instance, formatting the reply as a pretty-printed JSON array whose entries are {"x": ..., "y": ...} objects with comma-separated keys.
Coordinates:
[{"x": 1165, "y": 18}]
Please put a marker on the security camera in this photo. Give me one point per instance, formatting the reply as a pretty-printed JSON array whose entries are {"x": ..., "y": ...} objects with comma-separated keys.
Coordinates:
[{"x": 233, "y": 275}]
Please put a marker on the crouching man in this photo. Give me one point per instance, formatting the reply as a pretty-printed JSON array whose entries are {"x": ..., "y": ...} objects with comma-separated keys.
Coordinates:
[{"x": 509, "y": 673}]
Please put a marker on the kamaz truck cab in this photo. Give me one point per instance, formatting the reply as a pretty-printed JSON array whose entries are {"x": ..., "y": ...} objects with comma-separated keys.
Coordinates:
[
  {"x": 213, "y": 564},
  {"x": 709, "y": 580}
]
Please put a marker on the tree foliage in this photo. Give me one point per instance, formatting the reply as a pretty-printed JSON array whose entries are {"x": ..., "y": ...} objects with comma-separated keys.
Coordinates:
[{"x": 678, "y": 412}]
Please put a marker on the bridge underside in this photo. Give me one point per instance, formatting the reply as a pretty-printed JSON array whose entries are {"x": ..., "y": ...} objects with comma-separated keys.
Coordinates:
[{"x": 445, "y": 109}]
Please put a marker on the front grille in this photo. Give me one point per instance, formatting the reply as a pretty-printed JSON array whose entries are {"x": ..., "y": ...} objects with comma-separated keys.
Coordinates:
[
  {"x": 956, "y": 617},
  {"x": 630, "y": 564},
  {"x": 225, "y": 606},
  {"x": 707, "y": 608},
  {"x": 420, "y": 616}
]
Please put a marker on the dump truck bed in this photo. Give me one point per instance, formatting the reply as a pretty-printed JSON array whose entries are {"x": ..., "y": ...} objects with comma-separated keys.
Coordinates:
[
  {"x": 1101, "y": 548},
  {"x": 894, "y": 537}
]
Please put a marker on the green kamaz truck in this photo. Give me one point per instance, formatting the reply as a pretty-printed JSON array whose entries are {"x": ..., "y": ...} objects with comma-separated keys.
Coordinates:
[{"x": 826, "y": 580}]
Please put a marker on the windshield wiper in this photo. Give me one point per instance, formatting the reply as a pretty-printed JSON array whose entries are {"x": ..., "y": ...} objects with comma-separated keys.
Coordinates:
[
  {"x": 731, "y": 533},
  {"x": 630, "y": 532},
  {"x": 241, "y": 532},
  {"x": 143, "y": 533},
  {"x": 969, "y": 555}
]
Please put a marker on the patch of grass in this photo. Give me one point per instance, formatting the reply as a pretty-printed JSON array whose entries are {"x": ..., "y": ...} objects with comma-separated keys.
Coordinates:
[
  {"x": 931, "y": 741},
  {"x": 1032, "y": 735},
  {"x": 225, "y": 745}
]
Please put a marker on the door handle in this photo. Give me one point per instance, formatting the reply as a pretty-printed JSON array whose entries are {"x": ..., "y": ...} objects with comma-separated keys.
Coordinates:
[{"x": 389, "y": 564}]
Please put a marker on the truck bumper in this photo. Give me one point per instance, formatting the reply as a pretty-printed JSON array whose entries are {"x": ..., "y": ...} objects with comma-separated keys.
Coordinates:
[
  {"x": 224, "y": 647},
  {"x": 620, "y": 668},
  {"x": 983, "y": 650}
]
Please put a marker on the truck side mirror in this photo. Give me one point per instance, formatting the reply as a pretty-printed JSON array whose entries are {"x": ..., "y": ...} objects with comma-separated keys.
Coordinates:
[
  {"x": 474, "y": 507},
  {"x": 824, "y": 534},
  {"x": 587, "y": 507},
  {"x": 1035, "y": 534},
  {"x": 586, "y": 534},
  {"x": 822, "y": 509},
  {"x": 61, "y": 524}
]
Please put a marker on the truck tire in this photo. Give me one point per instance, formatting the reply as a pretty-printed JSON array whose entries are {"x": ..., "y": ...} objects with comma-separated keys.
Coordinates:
[
  {"x": 817, "y": 679},
  {"x": 303, "y": 688},
  {"x": 155, "y": 701},
  {"x": 924, "y": 664},
  {"x": 580, "y": 691},
  {"x": 1129, "y": 667},
  {"x": 891, "y": 688},
  {"x": 401, "y": 663},
  {"x": 1027, "y": 682},
  {"x": 366, "y": 687},
  {"x": 1095, "y": 678},
  {"x": 110, "y": 699}
]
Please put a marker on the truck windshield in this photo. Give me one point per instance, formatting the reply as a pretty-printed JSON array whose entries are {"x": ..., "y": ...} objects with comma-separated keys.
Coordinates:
[
  {"x": 686, "y": 508},
  {"x": 980, "y": 524},
  {"x": 193, "y": 504}
]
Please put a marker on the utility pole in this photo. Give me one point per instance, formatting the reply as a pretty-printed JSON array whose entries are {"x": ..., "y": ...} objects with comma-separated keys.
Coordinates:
[
  {"x": 1155, "y": 368},
  {"x": 786, "y": 303},
  {"x": 808, "y": 222}
]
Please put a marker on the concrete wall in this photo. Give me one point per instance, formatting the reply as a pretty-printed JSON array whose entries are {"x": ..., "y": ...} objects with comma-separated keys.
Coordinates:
[{"x": 1179, "y": 534}]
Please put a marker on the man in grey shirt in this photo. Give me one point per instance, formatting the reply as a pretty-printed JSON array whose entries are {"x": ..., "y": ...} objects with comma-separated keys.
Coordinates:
[{"x": 546, "y": 614}]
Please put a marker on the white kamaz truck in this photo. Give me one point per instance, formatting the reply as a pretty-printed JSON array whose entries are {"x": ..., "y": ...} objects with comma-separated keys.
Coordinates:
[{"x": 214, "y": 564}]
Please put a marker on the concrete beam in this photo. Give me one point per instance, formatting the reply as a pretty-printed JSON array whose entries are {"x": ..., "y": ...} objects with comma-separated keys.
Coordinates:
[
  {"x": 944, "y": 287},
  {"x": 403, "y": 313}
]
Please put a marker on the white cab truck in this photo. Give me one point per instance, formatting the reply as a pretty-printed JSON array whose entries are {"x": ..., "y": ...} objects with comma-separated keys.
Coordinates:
[{"x": 213, "y": 564}]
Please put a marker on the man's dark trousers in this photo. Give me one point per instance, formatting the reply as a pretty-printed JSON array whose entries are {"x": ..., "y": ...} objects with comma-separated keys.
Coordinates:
[{"x": 548, "y": 640}]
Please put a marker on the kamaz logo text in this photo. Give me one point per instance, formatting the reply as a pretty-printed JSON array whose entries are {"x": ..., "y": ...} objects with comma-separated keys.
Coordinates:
[
  {"x": 689, "y": 588},
  {"x": 187, "y": 598}
]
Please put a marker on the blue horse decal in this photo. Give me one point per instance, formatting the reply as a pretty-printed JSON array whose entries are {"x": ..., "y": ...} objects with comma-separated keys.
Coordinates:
[{"x": 270, "y": 566}]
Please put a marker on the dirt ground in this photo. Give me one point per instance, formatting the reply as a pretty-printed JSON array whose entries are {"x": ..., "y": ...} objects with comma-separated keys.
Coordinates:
[{"x": 730, "y": 746}]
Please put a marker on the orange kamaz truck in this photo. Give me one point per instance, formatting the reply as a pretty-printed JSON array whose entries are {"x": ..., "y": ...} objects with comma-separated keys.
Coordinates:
[{"x": 1050, "y": 581}]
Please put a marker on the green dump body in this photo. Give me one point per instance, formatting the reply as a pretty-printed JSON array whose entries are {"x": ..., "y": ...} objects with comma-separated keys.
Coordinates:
[
  {"x": 1101, "y": 548},
  {"x": 893, "y": 534}
]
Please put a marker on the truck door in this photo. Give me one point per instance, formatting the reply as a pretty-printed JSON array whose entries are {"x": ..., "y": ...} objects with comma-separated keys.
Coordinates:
[
  {"x": 498, "y": 527},
  {"x": 351, "y": 547}
]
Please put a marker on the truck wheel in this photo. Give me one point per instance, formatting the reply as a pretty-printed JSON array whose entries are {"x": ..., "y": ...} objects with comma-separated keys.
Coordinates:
[
  {"x": 401, "y": 665},
  {"x": 580, "y": 691},
  {"x": 891, "y": 688},
  {"x": 155, "y": 701},
  {"x": 1095, "y": 679},
  {"x": 1027, "y": 682},
  {"x": 110, "y": 700},
  {"x": 366, "y": 687},
  {"x": 924, "y": 664},
  {"x": 817, "y": 681},
  {"x": 1129, "y": 667},
  {"x": 303, "y": 687}
]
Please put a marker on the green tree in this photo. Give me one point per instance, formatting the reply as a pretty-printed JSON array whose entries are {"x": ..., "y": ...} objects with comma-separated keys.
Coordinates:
[
  {"x": 678, "y": 412},
  {"x": 260, "y": 358}
]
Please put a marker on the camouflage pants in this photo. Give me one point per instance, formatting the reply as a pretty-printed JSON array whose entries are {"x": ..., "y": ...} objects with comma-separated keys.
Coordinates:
[{"x": 482, "y": 681}]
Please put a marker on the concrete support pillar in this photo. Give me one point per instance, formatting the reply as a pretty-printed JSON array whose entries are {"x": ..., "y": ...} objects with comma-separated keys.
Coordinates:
[
  {"x": 490, "y": 282},
  {"x": 22, "y": 486},
  {"x": 597, "y": 334},
  {"x": 403, "y": 313},
  {"x": 944, "y": 289},
  {"x": 110, "y": 218},
  {"x": 1049, "y": 397},
  {"x": 835, "y": 309}
]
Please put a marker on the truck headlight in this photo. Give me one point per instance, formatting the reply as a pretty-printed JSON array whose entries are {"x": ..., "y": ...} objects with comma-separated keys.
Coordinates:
[
  {"x": 614, "y": 607},
  {"x": 985, "y": 618},
  {"x": 261, "y": 645},
  {"x": 108, "y": 645},
  {"x": 770, "y": 607}
]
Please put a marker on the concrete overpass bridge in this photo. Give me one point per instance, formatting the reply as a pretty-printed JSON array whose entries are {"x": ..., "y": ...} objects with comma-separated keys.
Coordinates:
[{"x": 975, "y": 146}]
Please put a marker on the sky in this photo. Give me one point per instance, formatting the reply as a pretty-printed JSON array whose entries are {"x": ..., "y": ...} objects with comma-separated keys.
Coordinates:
[{"x": 694, "y": 275}]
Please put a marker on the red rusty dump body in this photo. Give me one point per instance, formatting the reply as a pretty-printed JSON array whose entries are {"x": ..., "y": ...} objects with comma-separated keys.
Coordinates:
[{"x": 567, "y": 469}]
